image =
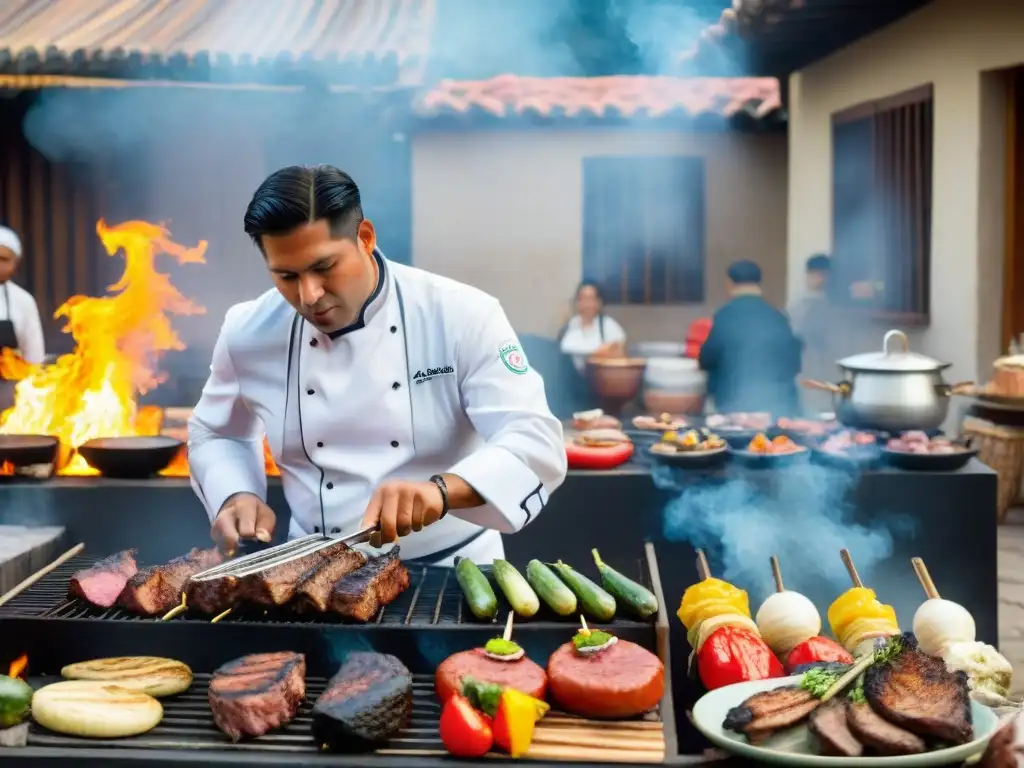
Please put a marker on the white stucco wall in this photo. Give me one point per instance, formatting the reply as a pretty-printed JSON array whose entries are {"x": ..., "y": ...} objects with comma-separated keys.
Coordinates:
[
  {"x": 953, "y": 44},
  {"x": 502, "y": 210}
]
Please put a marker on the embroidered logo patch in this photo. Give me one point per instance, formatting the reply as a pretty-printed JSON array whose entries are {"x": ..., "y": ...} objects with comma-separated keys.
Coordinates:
[
  {"x": 432, "y": 373},
  {"x": 513, "y": 358}
]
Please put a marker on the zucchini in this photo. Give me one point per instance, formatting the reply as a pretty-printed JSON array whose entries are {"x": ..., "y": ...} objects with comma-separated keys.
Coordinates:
[
  {"x": 518, "y": 592},
  {"x": 594, "y": 600},
  {"x": 635, "y": 597},
  {"x": 15, "y": 701},
  {"x": 558, "y": 597},
  {"x": 477, "y": 589}
]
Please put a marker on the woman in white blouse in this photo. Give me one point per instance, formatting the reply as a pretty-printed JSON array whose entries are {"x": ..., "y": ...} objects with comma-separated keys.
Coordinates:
[{"x": 590, "y": 332}]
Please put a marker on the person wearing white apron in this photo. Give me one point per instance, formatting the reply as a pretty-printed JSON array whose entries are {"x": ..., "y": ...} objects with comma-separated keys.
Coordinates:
[
  {"x": 21, "y": 330},
  {"x": 389, "y": 395}
]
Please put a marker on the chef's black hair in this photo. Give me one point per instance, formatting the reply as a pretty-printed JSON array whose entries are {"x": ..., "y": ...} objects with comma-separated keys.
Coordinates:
[{"x": 299, "y": 195}]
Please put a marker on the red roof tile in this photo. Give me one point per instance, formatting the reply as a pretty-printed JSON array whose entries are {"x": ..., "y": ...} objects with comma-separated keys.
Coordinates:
[
  {"x": 622, "y": 96},
  {"x": 346, "y": 30}
]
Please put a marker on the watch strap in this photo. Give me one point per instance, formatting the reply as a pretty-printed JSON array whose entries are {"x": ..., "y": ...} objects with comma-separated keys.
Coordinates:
[{"x": 443, "y": 487}]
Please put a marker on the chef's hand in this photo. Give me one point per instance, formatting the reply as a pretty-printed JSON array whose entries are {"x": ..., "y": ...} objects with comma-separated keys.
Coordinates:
[
  {"x": 243, "y": 516},
  {"x": 399, "y": 507}
]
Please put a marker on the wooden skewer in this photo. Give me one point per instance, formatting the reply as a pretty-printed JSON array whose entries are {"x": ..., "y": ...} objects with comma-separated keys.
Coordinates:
[
  {"x": 777, "y": 575},
  {"x": 177, "y": 610},
  {"x": 220, "y": 616},
  {"x": 850, "y": 567},
  {"x": 925, "y": 578},
  {"x": 508, "y": 627},
  {"x": 583, "y": 623},
  {"x": 703, "y": 569},
  {"x": 19, "y": 588}
]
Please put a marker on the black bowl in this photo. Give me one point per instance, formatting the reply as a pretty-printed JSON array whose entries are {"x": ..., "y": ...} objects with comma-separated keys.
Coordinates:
[
  {"x": 28, "y": 450},
  {"x": 691, "y": 459},
  {"x": 130, "y": 457},
  {"x": 752, "y": 460},
  {"x": 858, "y": 459},
  {"x": 929, "y": 462}
]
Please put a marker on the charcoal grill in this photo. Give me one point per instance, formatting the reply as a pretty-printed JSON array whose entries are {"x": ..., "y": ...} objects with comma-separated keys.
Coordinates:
[{"x": 428, "y": 622}]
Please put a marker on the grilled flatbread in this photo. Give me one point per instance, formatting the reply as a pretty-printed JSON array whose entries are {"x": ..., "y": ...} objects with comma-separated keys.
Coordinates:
[
  {"x": 148, "y": 674},
  {"x": 95, "y": 710}
]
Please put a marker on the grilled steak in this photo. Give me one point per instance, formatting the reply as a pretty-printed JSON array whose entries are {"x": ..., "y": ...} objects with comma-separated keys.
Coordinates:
[
  {"x": 254, "y": 694},
  {"x": 361, "y": 594},
  {"x": 153, "y": 591},
  {"x": 916, "y": 692},
  {"x": 367, "y": 702},
  {"x": 769, "y": 711},
  {"x": 212, "y": 597},
  {"x": 828, "y": 723},
  {"x": 314, "y": 591},
  {"x": 880, "y": 735},
  {"x": 100, "y": 584},
  {"x": 276, "y": 585}
]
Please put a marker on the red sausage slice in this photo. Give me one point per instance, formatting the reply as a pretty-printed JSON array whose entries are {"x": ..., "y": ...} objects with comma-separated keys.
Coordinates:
[
  {"x": 524, "y": 675},
  {"x": 624, "y": 680}
]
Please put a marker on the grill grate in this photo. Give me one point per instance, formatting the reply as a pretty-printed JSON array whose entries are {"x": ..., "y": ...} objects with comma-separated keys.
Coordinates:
[
  {"x": 432, "y": 599},
  {"x": 188, "y": 725}
]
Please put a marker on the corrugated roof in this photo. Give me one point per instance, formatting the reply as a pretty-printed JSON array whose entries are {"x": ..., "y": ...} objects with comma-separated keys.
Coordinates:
[
  {"x": 225, "y": 31},
  {"x": 619, "y": 96}
]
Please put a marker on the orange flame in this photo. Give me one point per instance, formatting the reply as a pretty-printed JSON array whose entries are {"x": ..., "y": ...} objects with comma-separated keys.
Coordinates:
[
  {"x": 18, "y": 667},
  {"x": 92, "y": 392},
  {"x": 119, "y": 341}
]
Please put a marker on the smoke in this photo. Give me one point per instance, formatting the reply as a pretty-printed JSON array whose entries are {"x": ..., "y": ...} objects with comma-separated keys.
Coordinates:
[{"x": 802, "y": 515}]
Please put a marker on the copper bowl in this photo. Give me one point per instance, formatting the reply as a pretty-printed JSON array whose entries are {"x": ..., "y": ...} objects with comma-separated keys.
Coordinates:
[
  {"x": 615, "y": 381},
  {"x": 662, "y": 401}
]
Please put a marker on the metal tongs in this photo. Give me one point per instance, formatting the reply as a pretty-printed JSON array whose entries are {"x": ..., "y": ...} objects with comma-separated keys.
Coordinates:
[{"x": 281, "y": 554}]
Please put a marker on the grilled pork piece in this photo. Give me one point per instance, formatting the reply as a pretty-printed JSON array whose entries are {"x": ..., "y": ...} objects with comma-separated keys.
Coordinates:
[
  {"x": 100, "y": 584},
  {"x": 212, "y": 597},
  {"x": 276, "y": 585},
  {"x": 314, "y": 591},
  {"x": 366, "y": 703},
  {"x": 155, "y": 590},
  {"x": 880, "y": 735},
  {"x": 916, "y": 692},
  {"x": 828, "y": 723},
  {"x": 764, "y": 713},
  {"x": 362, "y": 593},
  {"x": 254, "y": 694}
]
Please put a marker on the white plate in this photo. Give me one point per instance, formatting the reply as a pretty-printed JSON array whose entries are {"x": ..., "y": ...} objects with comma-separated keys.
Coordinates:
[{"x": 710, "y": 711}]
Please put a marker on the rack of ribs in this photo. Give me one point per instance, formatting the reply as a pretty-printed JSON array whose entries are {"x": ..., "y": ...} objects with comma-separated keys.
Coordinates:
[
  {"x": 154, "y": 591},
  {"x": 360, "y": 594},
  {"x": 277, "y": 584}
]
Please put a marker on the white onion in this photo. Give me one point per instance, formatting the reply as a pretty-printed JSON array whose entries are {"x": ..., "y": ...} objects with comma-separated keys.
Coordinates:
[
  {"x": 786, "y": 619},
  {"x": 939, "y": 622}
]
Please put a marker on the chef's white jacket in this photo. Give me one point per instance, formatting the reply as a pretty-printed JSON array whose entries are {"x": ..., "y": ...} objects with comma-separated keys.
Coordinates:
[
  {"x": 431, "y": 379},
  {"x": 19, "y": 306}
]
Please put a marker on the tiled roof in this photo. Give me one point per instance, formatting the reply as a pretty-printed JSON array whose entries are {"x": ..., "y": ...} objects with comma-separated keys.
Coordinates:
[
  {"x": 85, "y": 36},
  {"x": 596, "y": 97}
]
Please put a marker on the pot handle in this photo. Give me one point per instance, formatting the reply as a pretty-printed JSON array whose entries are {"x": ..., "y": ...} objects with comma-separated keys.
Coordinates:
[
  {"x": 895, "y": 334},
  {"x": 960, "y": 388},
  {"x": 824, "y": 386}
]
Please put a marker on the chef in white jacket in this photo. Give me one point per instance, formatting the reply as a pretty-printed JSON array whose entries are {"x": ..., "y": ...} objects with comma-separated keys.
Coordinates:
[{"x": 389, "y": 395}]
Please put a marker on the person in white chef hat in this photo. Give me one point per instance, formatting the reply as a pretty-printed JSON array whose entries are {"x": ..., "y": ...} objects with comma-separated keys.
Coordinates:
[
  {"x": 390, "y": 396},
  {"x": 21, "y": 330}
]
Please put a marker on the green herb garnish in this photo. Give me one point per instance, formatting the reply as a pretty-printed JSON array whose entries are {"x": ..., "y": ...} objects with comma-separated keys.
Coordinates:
[
  {"x": 857, "y": 694},
  {"x": 483, "y": 696},
  {"x": 501, "y": 647},
  {"x": 819, "y": 680},
  {"x": 592, "y": 639},
  {"x": 892, "y": 648}
]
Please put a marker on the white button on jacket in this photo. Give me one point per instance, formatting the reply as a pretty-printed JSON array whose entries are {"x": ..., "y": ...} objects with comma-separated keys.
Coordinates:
[{"x": 430, "y": 380}]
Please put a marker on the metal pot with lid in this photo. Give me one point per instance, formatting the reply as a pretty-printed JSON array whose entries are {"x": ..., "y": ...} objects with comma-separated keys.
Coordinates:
[{"x": 894, "y": 390}]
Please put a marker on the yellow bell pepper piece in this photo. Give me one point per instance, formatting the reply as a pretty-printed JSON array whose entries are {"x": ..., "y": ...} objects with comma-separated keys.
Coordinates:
[
  {"x": 516, "y": 719},
  {"x": 858, "y": 611},
  {"x": 709, "y": 598}
]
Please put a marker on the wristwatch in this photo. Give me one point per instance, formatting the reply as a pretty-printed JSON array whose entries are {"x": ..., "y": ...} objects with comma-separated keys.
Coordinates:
[{"x": 443, "y": 487}]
